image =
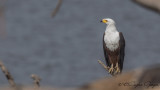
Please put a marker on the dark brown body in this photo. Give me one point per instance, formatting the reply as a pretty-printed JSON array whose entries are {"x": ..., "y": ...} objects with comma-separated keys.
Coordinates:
[{"x": 113, "y": 56}]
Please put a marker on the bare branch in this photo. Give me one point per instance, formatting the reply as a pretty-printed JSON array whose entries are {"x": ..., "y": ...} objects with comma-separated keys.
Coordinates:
[
  {"x": 105, "y": 67},
  {"x": 37, "y": 80},
  {"x": 8, "y": 76},
  {"x": 57, "y": 8}
]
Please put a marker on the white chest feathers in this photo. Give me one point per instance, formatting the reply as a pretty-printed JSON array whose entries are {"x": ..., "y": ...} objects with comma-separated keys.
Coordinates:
[{"x": 111, "y": 40}]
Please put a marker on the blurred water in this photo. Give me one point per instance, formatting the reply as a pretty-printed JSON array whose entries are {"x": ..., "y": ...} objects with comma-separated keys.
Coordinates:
[{"x": 64, "y": 50}]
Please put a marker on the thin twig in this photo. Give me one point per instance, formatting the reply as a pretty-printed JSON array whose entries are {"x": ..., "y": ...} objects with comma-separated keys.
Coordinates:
[
  {"x": 105, "y": 67},
  {"x": 57, "y": 8},
  {"x": 8, "y": 76},
  {"x": 37, "y": 80}
]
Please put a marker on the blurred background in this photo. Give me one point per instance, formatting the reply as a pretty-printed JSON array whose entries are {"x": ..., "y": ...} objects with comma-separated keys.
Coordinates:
[{"x": 63, "y": 50}]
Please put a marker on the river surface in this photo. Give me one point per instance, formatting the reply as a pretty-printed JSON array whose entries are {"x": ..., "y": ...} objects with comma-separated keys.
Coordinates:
[{"x": 64, "y": 50}]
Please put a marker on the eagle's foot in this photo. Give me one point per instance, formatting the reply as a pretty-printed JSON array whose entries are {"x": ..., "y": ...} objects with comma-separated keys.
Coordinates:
[
  {"x": 111, "y": 69},
  {"x": 117, "y": 69}
]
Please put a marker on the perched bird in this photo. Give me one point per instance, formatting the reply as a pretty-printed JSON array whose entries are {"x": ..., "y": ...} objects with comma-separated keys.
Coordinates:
[{"x": 114, "y": 47}]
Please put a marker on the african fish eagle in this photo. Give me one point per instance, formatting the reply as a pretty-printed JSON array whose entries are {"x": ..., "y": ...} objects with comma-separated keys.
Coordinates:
[{"x": 114, "y": 47}]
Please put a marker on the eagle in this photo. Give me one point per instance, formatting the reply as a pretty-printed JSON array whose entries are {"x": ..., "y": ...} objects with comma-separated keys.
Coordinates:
[{"x": 113, "y": 46}]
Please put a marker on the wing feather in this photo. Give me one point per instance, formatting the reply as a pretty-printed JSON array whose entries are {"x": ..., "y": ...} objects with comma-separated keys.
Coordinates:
[{"x": 122, "y": 50}]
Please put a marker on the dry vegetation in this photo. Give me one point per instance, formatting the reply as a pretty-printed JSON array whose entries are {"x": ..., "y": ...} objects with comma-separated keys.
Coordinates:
[
  {"x": 140, "y": 79},
  {"x": 11, "y": 81}
]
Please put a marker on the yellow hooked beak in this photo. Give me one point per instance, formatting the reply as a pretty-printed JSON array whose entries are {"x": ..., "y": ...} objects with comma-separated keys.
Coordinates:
[{"x": 104, "y": 21}]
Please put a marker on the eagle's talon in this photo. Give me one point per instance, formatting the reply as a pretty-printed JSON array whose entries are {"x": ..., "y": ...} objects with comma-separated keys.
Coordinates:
[
  {"x": 117, "y": 69},
  {"x": 111, "y": 69}
]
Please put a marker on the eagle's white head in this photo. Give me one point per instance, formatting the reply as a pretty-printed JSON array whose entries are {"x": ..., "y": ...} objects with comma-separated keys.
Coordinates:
[{"x": 108, "y": 21}]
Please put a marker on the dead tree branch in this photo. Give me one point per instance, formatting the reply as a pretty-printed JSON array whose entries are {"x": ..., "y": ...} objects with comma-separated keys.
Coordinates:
[
  {"x": 8, "y": 76},
  {"x": 57, "y": 8},
  {"x": 105, "y": 67},
  {"x": 37, "y": 80}
]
